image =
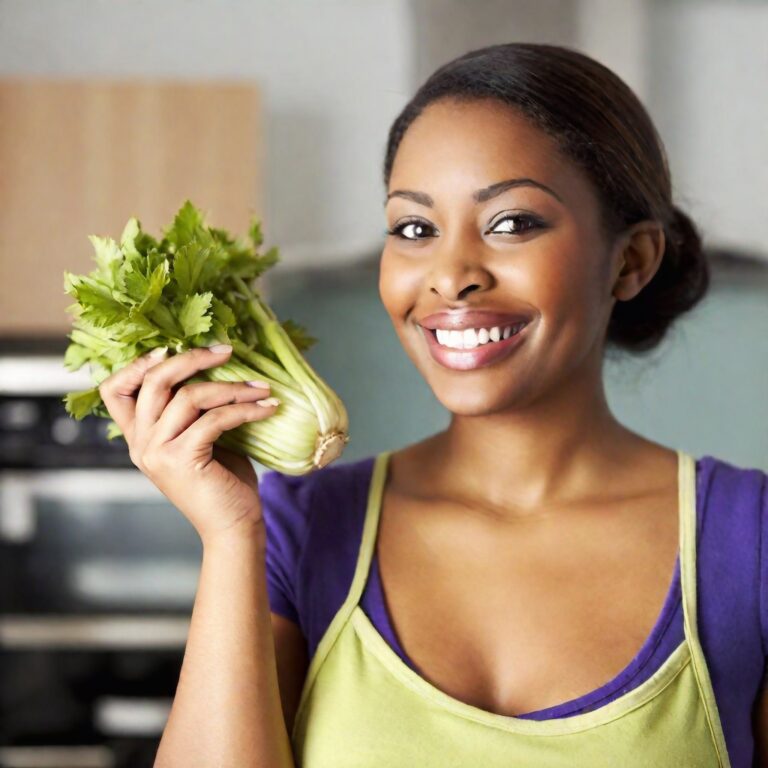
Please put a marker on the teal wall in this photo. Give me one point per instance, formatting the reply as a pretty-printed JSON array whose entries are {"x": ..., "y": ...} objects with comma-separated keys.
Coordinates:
[{"x": 704, "y": 390}]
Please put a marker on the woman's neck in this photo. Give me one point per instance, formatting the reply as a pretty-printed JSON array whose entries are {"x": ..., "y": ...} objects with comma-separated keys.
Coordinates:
[{"x": 559, "y": 448}]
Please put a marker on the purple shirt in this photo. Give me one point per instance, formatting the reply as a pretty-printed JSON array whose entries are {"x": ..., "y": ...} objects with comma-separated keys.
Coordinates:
[{"x": 314, "y": 529}]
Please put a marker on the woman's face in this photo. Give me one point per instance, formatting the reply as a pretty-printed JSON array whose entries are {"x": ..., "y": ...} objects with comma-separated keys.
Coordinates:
[{"x": 534, "y": 252}]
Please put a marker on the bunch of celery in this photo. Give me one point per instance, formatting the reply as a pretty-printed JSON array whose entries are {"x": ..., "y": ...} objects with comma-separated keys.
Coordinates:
[{"x": 192, "y": 288}]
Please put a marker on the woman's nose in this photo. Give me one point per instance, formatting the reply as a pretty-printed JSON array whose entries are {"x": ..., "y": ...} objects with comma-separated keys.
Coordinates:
[{"x": 457, "y": 272}]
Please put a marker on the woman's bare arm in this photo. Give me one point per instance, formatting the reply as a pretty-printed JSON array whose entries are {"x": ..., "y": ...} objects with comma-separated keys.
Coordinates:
[
  {"x": 227, "y": 710},
  {"x": 292, "y": 664}
]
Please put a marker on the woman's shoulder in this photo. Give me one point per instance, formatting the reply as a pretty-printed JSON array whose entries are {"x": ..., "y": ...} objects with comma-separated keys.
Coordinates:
[
  {"x": 732, "y": 554},
  {"x": 315, "y": 509},
  {"x": 738, "y": 488},
  {"x": 314, "y": 524},
  {"x": 315, "y": 493},
  {"x": 730, "y": 465},
  {"x": 732, "y": 507}
]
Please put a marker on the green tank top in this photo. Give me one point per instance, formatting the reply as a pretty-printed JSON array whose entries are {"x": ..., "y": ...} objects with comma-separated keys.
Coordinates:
[{"x": 362, "y": 706}]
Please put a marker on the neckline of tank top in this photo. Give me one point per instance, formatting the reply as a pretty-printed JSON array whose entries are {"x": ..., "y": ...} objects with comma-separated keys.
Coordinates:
[
  {"x": 671, "y": 608},
  {"x": 591, "y": 699}
]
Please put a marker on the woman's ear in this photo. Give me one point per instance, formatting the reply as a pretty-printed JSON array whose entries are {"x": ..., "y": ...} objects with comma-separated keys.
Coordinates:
[{"x": 637, "y": 257}]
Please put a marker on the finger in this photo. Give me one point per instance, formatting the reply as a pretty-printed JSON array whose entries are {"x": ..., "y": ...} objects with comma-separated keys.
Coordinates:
[
  {"x": 156, "y": 390},
  {"x": 118, "y": 390},
  {"x": 201, "y": 436},
  {"x": 188, "y": 402}
]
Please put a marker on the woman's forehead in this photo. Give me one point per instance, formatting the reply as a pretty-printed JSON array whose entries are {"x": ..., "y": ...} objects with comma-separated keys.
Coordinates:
[{"x": 458, "y": 147}]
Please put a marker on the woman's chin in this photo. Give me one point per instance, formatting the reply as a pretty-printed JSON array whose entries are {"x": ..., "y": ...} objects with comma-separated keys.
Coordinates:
[{"x": 471, "y": 403}]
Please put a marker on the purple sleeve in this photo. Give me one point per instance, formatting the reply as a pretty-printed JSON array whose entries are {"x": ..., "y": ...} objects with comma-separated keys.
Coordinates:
[
  {"x": 285, "y": 504},
  {"x": 763, "y": 572}
]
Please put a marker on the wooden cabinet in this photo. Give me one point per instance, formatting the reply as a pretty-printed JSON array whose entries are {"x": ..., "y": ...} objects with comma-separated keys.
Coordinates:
[{"x": 81, "y": 157}]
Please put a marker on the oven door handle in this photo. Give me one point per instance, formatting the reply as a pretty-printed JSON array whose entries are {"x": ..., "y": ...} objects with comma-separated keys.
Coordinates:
[
  {"x": 94, "y": 632},
  {"x": 20, "y": 490},
  {"x": 113, "y": 716},
  {"x": 57, "y": 757}
]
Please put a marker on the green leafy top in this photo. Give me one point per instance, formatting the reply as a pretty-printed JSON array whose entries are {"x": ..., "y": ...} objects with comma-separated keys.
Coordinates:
[{"x": 184, "y": 290}]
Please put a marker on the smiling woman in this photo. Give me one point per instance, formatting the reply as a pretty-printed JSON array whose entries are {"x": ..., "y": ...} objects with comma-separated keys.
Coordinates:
[
  {"x": 537, "y": 584},
  {"x": 540, "y": 561}
]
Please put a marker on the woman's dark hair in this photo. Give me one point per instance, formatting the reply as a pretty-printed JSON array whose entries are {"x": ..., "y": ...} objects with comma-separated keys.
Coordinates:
[{"x": 601, "y": 125}]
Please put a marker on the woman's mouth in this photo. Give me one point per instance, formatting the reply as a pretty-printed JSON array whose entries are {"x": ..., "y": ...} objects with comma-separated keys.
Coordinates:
[{"x": 473, "y": 348}]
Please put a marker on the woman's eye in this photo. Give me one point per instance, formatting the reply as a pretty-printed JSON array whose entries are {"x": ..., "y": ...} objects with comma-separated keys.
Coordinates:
[
  {"x": 412, "y": 230},
  {"x": 515, "y": 225},
  {"x": 509, "y": 225}
]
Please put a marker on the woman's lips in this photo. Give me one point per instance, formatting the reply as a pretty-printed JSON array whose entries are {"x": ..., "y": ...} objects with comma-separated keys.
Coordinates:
[{"x": 468, "y": 359}]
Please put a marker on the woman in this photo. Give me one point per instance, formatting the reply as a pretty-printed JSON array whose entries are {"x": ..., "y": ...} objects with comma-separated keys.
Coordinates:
[{"x": 553, "y": 596}]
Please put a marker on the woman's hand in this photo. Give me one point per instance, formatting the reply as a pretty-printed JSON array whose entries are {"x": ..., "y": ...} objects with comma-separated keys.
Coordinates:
[{"x": 171, "y": 434}]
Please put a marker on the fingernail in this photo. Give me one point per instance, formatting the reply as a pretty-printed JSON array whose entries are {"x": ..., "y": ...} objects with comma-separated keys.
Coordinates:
[
  {"x": 267, "y": 401},
  {"x": 220, "y": 349},
  {"x": 158, "y": 353},
  {"x": 256, "y": 383}
]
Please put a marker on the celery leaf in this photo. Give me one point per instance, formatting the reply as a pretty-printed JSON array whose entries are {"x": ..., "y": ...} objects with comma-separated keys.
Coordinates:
[
  {"x": 82, "y": 404},
  {"x": 193, "y": 314}
]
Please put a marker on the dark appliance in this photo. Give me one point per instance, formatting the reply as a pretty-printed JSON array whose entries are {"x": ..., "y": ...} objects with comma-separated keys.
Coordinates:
[{"x": 97, "y": 578}]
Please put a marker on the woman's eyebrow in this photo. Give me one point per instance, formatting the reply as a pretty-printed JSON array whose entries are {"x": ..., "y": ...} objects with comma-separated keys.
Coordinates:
[{"x": 480, "y": 196}]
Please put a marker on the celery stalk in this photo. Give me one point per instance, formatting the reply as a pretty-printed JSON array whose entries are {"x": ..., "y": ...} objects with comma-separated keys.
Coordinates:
[{"x": 193, "y": 287}]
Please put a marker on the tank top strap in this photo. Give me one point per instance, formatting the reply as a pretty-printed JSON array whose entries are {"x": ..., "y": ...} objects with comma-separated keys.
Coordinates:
[
  {"x": 365, "y": 554},
  {"x": 688, "y": 538},
  {"x": 689, "y": 530},
  {"x": 370, "y": 527}
]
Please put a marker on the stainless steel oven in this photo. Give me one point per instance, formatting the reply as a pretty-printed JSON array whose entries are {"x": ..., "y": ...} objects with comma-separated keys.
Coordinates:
[
  {"x": 98, "y": 573},
  {"x": 89, "y": 544}
]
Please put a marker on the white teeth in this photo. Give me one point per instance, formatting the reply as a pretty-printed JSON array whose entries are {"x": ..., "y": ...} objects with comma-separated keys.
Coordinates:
[{"x": 474, "y": 337}]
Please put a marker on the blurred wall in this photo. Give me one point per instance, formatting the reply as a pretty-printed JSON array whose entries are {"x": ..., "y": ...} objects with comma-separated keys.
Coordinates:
[
  {"x": 699, "y": 66},
  {"x": 708, "y": 93},
  {"x": 444, "y": 29},
  {"x": 333, "y": 75}
]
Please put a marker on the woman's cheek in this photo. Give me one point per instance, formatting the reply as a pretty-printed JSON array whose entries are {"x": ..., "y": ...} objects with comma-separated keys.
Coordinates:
[
  {"x": 399, "y": 281},
  {"x": 569, "y": 297}
]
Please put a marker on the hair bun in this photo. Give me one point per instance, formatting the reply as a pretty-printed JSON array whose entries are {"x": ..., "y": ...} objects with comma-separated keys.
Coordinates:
[{"x": 680, "y": 282}]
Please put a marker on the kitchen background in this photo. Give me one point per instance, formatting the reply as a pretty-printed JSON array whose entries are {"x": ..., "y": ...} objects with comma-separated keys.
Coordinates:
[{"x": 114, "y": 108}]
